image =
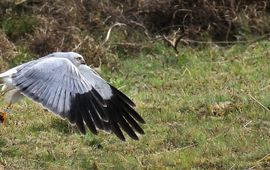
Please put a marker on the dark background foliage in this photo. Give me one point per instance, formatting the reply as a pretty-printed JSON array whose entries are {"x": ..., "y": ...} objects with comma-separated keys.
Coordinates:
[{"x": 41, "y": 27}]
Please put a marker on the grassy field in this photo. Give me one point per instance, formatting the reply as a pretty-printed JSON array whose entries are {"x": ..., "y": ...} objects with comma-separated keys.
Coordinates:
[{"x": 205, "y": 108}]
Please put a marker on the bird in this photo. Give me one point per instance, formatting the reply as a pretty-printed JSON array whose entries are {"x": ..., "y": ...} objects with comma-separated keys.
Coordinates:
[{"x": 64, "y": 84}]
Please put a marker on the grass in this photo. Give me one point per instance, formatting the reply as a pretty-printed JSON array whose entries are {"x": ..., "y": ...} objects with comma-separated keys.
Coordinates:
[
  {"x": 17, "y": 27},
  {"x": 205, "y": 108}
]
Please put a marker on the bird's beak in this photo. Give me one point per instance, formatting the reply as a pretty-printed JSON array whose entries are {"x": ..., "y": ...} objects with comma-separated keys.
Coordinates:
[{"x": 83, "y": 62}]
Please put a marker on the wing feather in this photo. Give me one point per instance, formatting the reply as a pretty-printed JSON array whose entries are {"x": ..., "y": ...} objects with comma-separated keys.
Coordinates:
[
  {"x": 43, "y": 98},
  {"x": 67, "y": 104},
  {"x": 119, "y": 113},
  {"x": 41, "y": 88},
  {"x": 50, "y": 95},
  {"x": 61, "y": 103},
  {"x": 85, "y": 114},
  {"x": 57, "y": 99},
  {"x": 46, "y": 80}
]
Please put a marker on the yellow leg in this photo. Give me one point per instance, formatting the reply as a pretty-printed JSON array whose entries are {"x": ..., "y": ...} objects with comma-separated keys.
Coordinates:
[{"x": 3, "y": 115}]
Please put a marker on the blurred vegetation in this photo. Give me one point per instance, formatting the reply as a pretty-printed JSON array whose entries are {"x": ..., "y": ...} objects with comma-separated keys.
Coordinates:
[{"x": 42, "y": 27}]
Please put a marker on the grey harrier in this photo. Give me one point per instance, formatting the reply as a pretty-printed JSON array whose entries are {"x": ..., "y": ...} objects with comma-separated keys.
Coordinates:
[{"x": 66, "y": 86}]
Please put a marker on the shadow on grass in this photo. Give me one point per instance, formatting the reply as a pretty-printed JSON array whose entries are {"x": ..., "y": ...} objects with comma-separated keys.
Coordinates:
[
  {"x": 3, "y": 142},
  {"x": 63, "y": 126},
  {"x": 38, "y": 128}
]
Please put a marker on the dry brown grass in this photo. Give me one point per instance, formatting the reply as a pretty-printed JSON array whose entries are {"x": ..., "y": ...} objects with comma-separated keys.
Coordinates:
[
  {"x": 7, "y": 51},
  {"x": 80, "y": 25},
  {"x": 220, "y": 20}
]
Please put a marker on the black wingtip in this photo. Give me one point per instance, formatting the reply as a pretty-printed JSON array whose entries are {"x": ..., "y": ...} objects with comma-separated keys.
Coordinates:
[
  {"x": 142, "y": 121},
  {"x": 121, "y": 118},
  {"x": 122, "y": 96},
  {"x": 116, "y": 130},
  {"x": 98, "y": 97},
  {"x": 122, "y": 139},
  {"x": 135, "y": 137},
  {"x": 90, "y": 109},
  {"x": 126, "y": 103},
  {"x": 81, "y": 127}
]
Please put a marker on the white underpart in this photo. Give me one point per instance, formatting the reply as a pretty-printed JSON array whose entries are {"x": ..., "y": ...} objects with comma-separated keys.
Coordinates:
[
  {"x": 12, "y": 93},
  {"x": 8, "y": 84},
  {"x": 8, "y": 73}
]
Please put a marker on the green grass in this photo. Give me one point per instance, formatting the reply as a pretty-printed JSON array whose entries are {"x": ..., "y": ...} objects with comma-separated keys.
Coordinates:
[
  {"x": 17, "y": 27},
  {"x": 183, "y": 99}
]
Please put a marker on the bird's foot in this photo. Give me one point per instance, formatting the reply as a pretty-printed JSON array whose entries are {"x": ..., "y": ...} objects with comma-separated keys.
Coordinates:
[
  {"x": 3, "y": 114},
  {"x": 3, "y": 117}
]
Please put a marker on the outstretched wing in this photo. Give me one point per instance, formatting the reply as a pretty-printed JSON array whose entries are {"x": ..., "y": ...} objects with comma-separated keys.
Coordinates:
[
  {"x": 119, "y": 110},
  {"x": 58, "y": 85}
]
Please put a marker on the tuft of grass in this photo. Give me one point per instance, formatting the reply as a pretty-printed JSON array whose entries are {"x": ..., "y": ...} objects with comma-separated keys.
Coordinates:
[
  {"x": 203, "y": 109},
  {"x": 22, "y": 56},
  {"x": 18, "y": 27}
]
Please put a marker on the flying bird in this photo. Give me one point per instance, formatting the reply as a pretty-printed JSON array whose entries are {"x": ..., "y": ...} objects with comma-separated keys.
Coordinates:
[{"x": 63, "y": 83}]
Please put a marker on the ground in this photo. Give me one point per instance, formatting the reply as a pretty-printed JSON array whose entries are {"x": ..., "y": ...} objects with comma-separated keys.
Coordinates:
[{"x": 206, "y": 108}]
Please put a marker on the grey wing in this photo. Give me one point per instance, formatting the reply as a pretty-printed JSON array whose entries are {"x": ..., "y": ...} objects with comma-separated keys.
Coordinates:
[
  {"x": 119, "y": 108},
  {"x": 56, "y": 83},
  {"x": 15, "y": 69}
]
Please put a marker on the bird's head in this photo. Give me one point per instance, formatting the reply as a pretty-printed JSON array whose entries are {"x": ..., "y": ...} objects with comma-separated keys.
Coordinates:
[
  {"x": 77, "y": 58},
  {"x": 74, "y": 57}
]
